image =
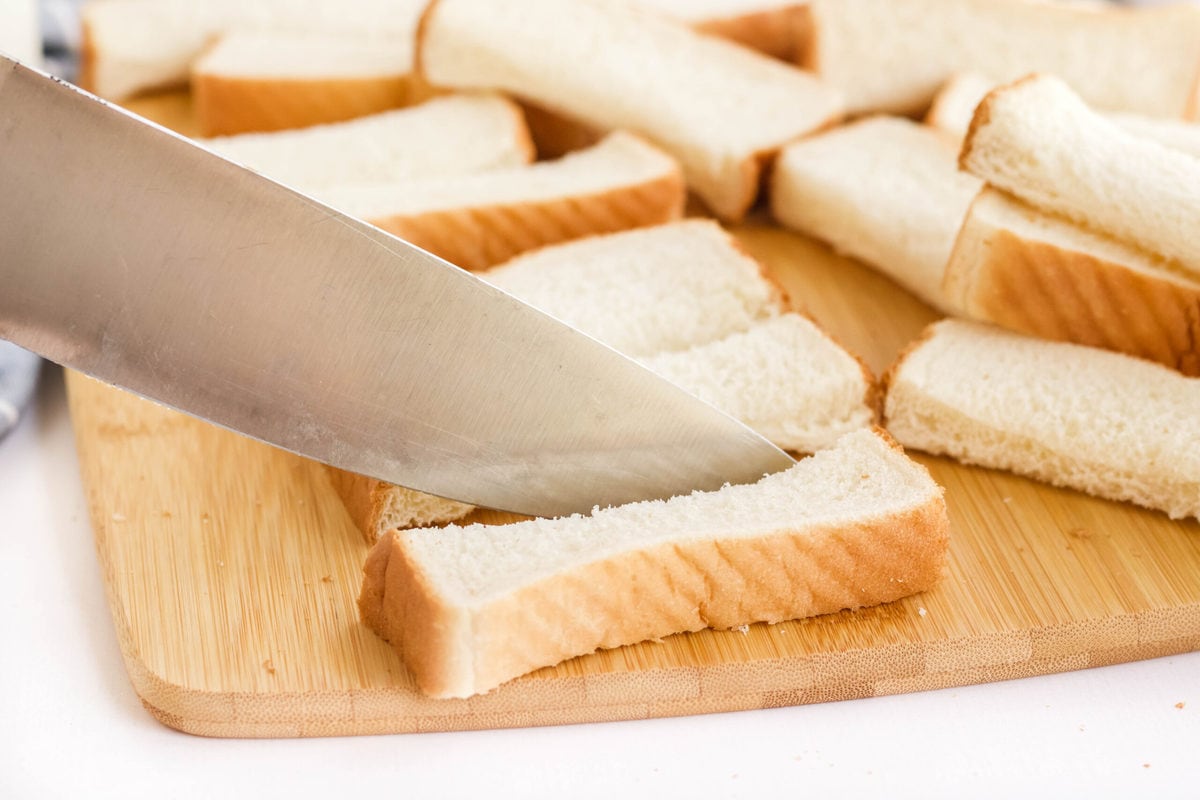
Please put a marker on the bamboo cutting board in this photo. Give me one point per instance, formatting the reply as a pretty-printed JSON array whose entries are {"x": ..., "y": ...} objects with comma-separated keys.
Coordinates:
[{"x": 232, "y": 572}]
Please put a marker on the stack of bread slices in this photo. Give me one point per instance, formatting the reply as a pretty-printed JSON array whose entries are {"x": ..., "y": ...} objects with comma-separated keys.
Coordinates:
[{"x": 1045, "y": 203}]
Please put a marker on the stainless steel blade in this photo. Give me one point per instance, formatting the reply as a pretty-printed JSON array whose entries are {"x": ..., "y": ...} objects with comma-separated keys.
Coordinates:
[{"x": 138, "y": 257}]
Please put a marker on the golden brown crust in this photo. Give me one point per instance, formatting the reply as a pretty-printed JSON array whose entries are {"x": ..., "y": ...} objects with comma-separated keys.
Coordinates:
[
  {"x": 478, "y": 237},
  {"x": 555, "y": 134},
  {"x": 1041, "y": 289},
  {"x": 230, "y": 105},
  {"x": 684, "y": 586},
  {"x": 775, "y": 32}
]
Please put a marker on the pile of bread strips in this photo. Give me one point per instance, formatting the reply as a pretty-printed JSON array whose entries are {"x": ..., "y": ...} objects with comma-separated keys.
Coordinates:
[{"x": 1043, "y": 202}]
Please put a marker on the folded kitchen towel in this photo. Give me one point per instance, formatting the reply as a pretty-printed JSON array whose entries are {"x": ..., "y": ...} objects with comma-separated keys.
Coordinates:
[{"x": 18, "y": 375}]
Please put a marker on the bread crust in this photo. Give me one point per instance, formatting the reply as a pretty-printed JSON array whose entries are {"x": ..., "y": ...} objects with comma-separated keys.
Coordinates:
[
  {"x": 636, "y": 595},
  {"x": 1052, "y": 292},
  {"x": 227, "y": 105},
  {"x": 983, "y": 116},
  {"x": 482, "y": 236},
  {"x": 777, "y": 32}
]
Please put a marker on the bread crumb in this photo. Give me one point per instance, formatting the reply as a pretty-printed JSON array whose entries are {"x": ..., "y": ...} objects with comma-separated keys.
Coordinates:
[
  {"x": 921, "y": 610},
  {"x": 1180, "y": 704},
  {"x": 327, "y": 579},
  {"x": 1146, "y": 765},
  {"x": 745, "y": 629},
  {"x": 118, "y": 517},
  {"x": 1006, "y": 499},
  {"x": 269, "y": 666},
  {"x": 1080, "y": 533}
]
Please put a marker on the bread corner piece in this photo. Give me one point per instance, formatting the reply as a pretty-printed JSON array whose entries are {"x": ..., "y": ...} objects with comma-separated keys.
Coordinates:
[
  {"x": 1073, "y": 416},
  {"x": 469, "y": 608},
  {"x": 722, "y": 110}
]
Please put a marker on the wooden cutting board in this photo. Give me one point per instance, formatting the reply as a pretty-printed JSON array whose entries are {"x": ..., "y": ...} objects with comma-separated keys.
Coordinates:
[{"x": 232, "y": 572}]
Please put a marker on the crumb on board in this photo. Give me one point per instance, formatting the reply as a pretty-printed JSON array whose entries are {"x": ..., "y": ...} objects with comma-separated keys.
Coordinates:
[
  {"x": 269, "y": 666},
  {"x": 327, "y": 579},
  {"x": 745, "y": 629},
  {"x": 1180, "y": 705},
  {"x": 118, "y": 517},
  {"x": 921, "y": 610}
]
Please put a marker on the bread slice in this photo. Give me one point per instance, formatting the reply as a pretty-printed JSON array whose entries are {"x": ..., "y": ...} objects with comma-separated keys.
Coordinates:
[
  {"x": 644, "y": 291},
  {"x": 1073, "y": 416},
  {"x": 1037, "y": 140},
  {"x": 894, "y": 55},
  {"x": 955, "y": 104},
  {"x": 784, "y": 377},
  {"x": 451, "y": 135},
  {"x": 476, "y": 221},
  {"x": 884, "y": 190},
  {"x": 470, "y": 608},
  {"x": 777, "y": 28},
  {"x": 722, "y": 110},
  {"x": 1041, "y": 275},
  {"x": 267, "y": 81},
  {"x": 19, "y": 35},
  {"x": 655, "y": 290},
  {"x": 132, "y": 46}
]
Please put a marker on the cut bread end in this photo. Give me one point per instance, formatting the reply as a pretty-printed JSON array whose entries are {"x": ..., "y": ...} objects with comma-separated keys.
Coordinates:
[{"x": 470, "y": 608}]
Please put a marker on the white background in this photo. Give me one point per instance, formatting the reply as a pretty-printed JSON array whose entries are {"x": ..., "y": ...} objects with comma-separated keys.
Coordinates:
[{"x": 71, "y": 725}]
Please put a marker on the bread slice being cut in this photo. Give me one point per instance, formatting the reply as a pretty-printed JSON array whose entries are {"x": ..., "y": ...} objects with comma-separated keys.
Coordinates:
[
  {"x": 451, "y": 135},
  {"x": 1037, "y": 140},
  {"x": 894, "y": 55},
  {"x": 691, "y": 305},
  {"x": 477, "y": 221},
  {"x": 470, "y": 608},
  {"x": 1042, "y": 275},
  {"x": 721, "y": 109},
  {"x": 1073, "y": 416},
  {"x": 884, "y": 190},
  {"x": 785, "y": 378},
  {"x": 252, "y": 81},
  {"x": 131, "y": 46},
  {"x": 955, "y": 105}
]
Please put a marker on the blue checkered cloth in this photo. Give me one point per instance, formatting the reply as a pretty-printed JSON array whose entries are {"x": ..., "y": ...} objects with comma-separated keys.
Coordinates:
[{"x": 18, "y": 376}]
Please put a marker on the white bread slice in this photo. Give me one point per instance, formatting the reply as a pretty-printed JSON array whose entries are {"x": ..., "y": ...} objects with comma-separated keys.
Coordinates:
[
  {"x": 884, "y": 190},
  {"x": 131, "y": 46},
  {"x": 470, "y": 608},
  {"x": 648, "y": 291},
  {"x": 784, "y": 377},
  {"x": 252, "y": 81},
  {"x": 476, "y": 221},
  {"x": 955, "y": 105},
  {"x": 1073, "y": 416},
  {"x": 893, "y": 55},
  {"x": 777, "y": 28},
  {"x": 642, "y": 291},
  {"x": 1041, "y": 275},
  {"x": 1037, "y": 140},
  {"x": 722, "y": 110},
  {"x": 451, "y": 135}
]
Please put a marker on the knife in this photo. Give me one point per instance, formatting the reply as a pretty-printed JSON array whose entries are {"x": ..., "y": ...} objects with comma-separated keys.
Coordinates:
[{"x": 135, "y": 256}]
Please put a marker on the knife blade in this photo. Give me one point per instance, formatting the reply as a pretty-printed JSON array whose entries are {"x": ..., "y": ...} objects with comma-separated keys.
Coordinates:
[{"x": 135, "y": 256}]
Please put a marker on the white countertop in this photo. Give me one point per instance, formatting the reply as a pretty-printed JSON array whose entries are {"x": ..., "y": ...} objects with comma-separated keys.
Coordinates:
[{"x": 71, "y": 725}]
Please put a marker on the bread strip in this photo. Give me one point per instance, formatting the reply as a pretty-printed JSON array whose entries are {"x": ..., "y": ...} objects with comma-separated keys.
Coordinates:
[
  {"x": 894, "y": 55},
  {"x": 1037, "y": 140},
  {"x": 720, "y": 109},
  {"x": 132, "y": 46},
  {"x": 1073, "y": 416},
  {"x": 253, "y": 81},
  {"x": 884, "y": 190},
  {"x": 452, "y": 135},
  {"x": 470, "y": 608},
  {"x": 1036, "y": 274},
  {"x": 644, "y": 292},
  {"x": 476, "y": 221},
  {"x": 955, "y": 104}
]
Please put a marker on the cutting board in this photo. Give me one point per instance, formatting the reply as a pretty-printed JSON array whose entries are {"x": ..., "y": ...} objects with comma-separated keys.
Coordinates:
[{"x": 232, "y": 572}]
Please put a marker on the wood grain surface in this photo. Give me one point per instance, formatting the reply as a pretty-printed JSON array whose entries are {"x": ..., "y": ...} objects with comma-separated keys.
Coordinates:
[{"x": 232, "y": 572}]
